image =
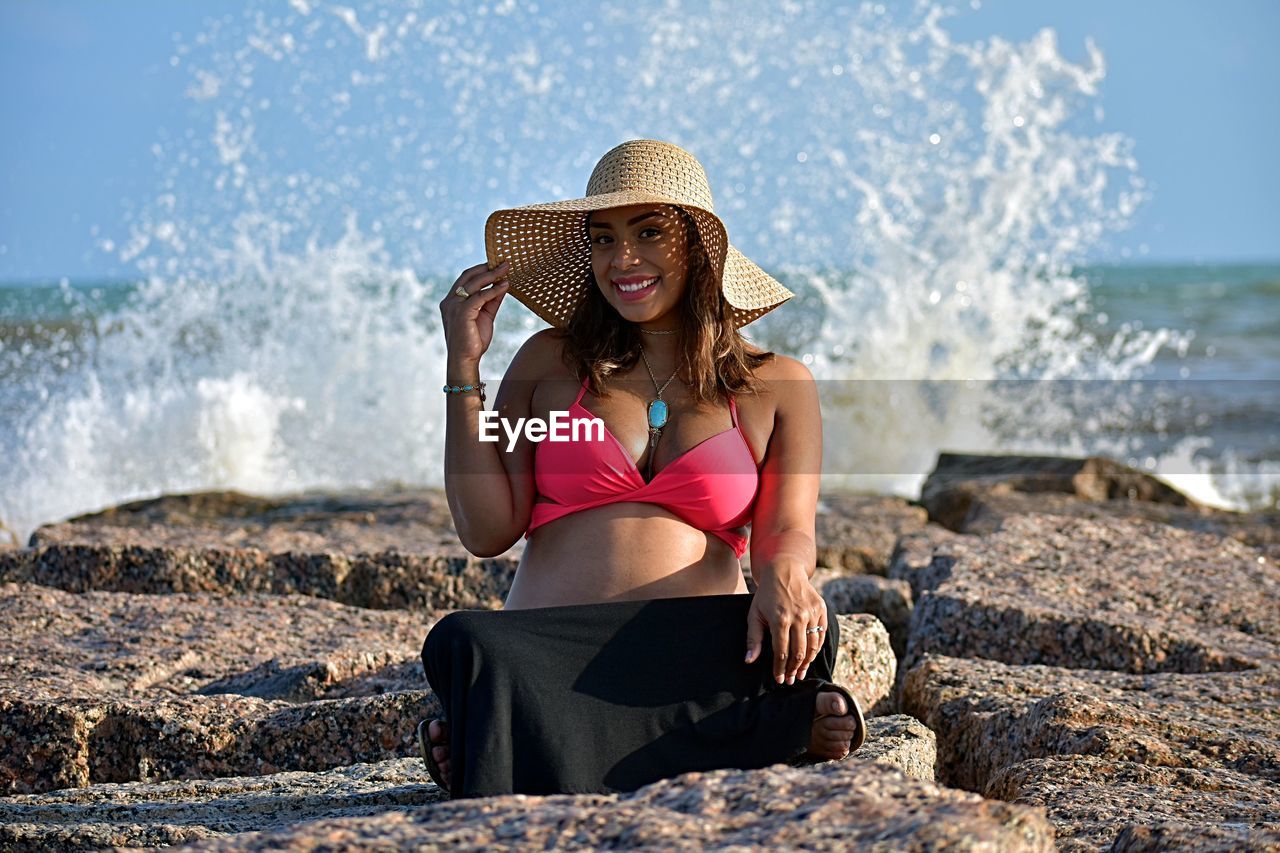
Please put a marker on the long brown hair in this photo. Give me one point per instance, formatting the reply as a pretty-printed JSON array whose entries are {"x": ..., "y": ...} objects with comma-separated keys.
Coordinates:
[{"x": 714, "y": 360}]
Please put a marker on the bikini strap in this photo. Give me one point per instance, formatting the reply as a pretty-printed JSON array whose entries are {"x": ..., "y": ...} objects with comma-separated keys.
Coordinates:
[
  {"x": 581, "y": 390},
  {"x": 733, "y": 411}
]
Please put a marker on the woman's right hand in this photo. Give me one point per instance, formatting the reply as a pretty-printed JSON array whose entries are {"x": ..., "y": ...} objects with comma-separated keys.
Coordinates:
[{"x": 468, "y": 323}]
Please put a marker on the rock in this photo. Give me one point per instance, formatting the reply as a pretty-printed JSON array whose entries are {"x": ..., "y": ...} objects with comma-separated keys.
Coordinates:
[
  {"x": 1122, "y": 594},
  {"x": 989, "y": 716},
  {"x": 888, "y": 600},
  {"x": 1095, "y": 478},
  {"x": 865, "y": 662},
  {"x": 50, "y": 745},
  {"x": 1106, "y": 752},
  {"x": 163, "y": 813},
  {"x": 338, "y": 676},
  {"x": 382, "y": 580},
  {"x": 378, "y": 550},
  {"x": 902, "y": 741},
  {"x": 44, "y": 745},
  {"x": 1093, "y": 800},
  {"x": 139, "y": 814},
  {"x": 353, "y": 521},
  {"x": 1259, "y": 528},
  {"x": 1114, "y": 660},
  {"x": 1203, "y": 839},
  {"x": 108, "y": 645},
  {"x": 107, "y": 686},
  {"x": 915, "y": 554},
  {"x": 837, "y": 805},
  {"x": 976, "y": 493},
  {"x": 856, "y": 533}
]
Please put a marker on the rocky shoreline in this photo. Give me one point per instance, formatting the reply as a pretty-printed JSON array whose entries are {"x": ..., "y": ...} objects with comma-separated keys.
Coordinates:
[{"x": 1055, "y": 653}]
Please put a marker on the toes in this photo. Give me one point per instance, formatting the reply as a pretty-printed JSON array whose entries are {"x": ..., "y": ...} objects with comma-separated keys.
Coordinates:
[
  {"x": 832, "y": 739},
  {"x": 828, "y": 751},
  {"x": 441, "y": 755},
  {"x": 830, "y": 747},
  {"x": 438, "y": 734},
  {"x": 843, "y": 726},
  {"x": 832, "y": 736},
  {"x": 831, "y": 702}
]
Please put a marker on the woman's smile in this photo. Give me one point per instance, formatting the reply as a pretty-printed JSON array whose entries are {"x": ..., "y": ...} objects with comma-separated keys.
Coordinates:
[{"x": 635, "y": 288}]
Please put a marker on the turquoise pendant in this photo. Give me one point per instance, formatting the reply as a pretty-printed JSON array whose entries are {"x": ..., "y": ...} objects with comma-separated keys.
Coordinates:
[{"x": 657, "y": 414}]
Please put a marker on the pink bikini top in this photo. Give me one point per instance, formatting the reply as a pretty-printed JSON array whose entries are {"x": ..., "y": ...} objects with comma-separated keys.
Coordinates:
[{"x": 712, "y": 486}]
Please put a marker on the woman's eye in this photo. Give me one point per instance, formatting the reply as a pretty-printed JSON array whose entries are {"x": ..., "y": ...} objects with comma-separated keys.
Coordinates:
[{"x": 596, "y": 240}]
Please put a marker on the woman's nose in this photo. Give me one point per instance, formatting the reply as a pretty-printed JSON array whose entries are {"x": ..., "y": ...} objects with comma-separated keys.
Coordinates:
[{"x": 624, "y": 255}]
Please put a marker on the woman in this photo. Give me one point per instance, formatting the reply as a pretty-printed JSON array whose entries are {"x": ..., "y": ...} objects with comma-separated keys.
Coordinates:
[{"x": 617, "y": 659}]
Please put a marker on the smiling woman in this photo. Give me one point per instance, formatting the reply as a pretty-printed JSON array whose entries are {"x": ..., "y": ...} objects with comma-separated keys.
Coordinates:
[{"x": 571, "y": 687}]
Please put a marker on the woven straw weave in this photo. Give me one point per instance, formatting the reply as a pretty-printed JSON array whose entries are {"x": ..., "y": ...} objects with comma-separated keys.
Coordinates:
[{"x": 550, "y": 253}]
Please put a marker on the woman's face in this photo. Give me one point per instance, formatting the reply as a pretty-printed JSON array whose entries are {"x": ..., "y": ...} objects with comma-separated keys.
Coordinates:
[{"x": 640, "y": 244}]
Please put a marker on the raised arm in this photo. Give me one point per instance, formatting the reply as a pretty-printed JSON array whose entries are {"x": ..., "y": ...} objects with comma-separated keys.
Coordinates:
[
  {"x": 490, "y": 497},
  {"x": 783, "y": 524},
  {"x": 490, "y": 488}
]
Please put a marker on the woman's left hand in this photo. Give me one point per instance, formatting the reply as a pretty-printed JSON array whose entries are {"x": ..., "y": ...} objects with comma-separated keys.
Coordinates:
[{"x": 785, "y": 605}]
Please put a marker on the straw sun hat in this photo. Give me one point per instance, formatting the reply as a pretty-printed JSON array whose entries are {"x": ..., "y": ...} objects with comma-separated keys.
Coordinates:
[{"x": 550, "y": 253}]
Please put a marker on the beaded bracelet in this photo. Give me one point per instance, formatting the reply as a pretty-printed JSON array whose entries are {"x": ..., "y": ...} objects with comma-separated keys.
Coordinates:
[{"x": 460, "y": 389}]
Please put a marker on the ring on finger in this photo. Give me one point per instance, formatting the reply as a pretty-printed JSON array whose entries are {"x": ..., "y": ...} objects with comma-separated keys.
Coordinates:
[
  {"x": 461, "y": 292},
  {"x": 817, "y": 629}
]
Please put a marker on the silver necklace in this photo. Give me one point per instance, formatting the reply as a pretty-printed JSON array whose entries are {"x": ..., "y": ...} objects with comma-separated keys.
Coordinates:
[{"x": 658, "y": 412}]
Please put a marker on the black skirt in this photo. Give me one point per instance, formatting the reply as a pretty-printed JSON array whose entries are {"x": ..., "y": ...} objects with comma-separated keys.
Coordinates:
[{"x": 600, "y": 698}]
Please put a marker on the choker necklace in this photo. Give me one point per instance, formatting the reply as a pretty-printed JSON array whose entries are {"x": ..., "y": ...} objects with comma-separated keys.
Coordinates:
[
  {"x": 659, "y": 331},
  {"x": 658, "y": 412}
]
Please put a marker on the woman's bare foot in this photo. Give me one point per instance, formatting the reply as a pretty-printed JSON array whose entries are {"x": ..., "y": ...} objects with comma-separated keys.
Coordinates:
[
  {"x": 438, "y": 734},
  {"x": 831, "y": 737}
]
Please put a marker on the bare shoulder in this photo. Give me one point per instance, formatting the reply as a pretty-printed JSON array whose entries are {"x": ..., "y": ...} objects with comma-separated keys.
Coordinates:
[
  {"x": 539, "y": 357},
  {"x": 784, "y": 375},
  {"x": 788, "y": 394}
]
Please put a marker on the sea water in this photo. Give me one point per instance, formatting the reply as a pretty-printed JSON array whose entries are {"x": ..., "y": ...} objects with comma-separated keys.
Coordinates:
[{"x": 930, "y": 201}]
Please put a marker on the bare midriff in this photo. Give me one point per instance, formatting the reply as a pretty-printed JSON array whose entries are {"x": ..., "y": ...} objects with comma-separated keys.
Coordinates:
[{"x": 622, "y": 551}]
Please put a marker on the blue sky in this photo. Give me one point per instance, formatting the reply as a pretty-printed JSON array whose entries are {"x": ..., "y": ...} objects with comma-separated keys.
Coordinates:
[{"x": 87, "y": 87}]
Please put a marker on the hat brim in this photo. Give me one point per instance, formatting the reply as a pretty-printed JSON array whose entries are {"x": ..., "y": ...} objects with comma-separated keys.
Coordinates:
[{"x": 550, "y": 256}]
